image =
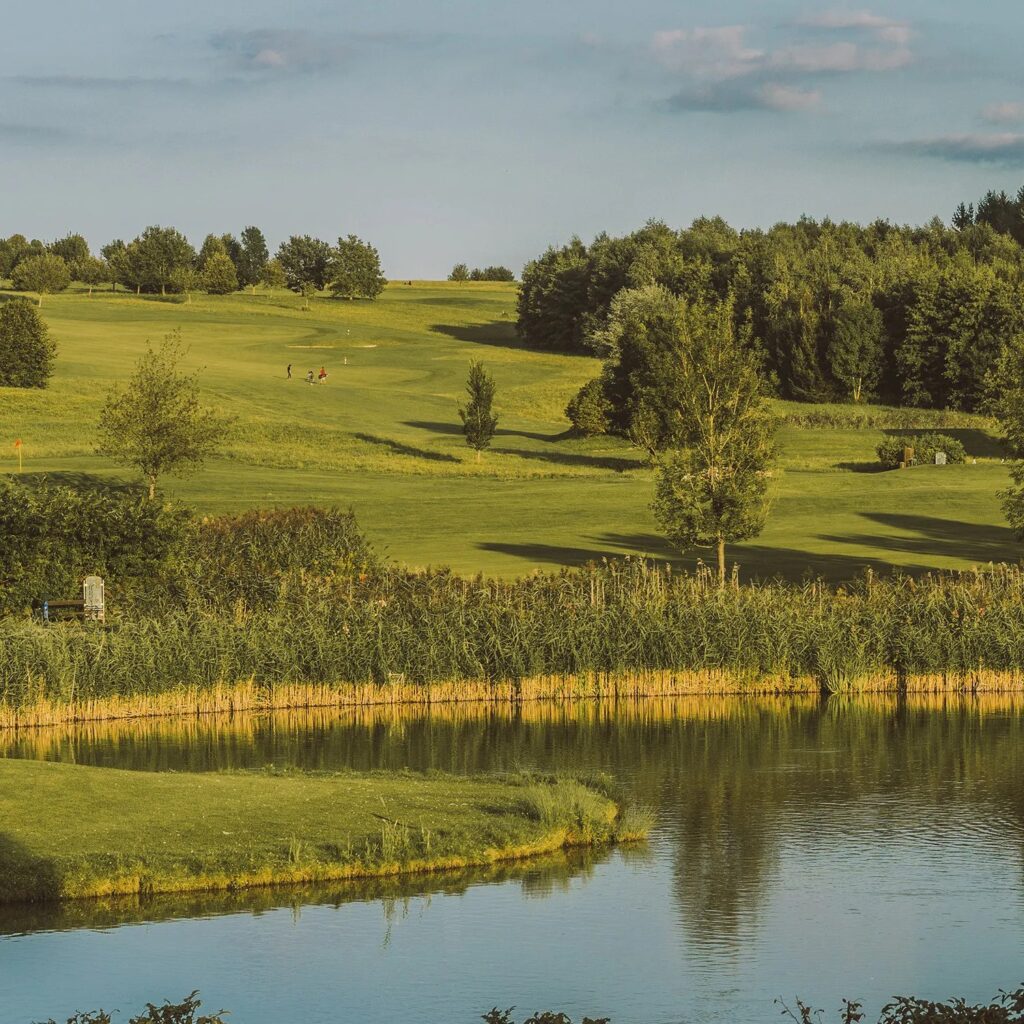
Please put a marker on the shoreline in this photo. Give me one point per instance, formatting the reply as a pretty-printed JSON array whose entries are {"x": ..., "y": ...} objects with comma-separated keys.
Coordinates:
[
  {"x": 78, "y": 833},
  {"x": 250, "y": 696}
]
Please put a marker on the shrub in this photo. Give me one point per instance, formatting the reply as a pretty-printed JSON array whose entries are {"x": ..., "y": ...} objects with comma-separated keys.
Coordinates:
[
  {"x": 26, "y": 349},
  {"x": 52, "y": 537},
  {"x": 890, "y": 451},
  {"x": 590, "y": 411}
]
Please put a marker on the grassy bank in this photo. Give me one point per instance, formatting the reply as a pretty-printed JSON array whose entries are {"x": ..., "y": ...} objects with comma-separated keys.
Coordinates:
[
  {"x": 68, "y": 832},
  {"x": 384, "y": 436}
]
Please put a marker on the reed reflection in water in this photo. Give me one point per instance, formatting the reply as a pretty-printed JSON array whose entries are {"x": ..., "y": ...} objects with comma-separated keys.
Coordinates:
[{"x": 855, "y": 847}]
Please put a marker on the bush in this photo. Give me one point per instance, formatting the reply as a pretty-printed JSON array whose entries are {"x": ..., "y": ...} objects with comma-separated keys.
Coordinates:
[
  {"x": 219, "y": 276},
  {"x": 52, "y": 537},
  {"x": 26, "y": 349},
  {"x": 590, "y": 411},
  {"x": 890, "y": 451}
]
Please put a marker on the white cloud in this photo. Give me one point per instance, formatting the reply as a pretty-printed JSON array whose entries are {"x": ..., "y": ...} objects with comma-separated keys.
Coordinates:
[
  {"x": 840, "y": 58},
  {"x": 886, "y": 30},
  {"x": 707, "y": 52},
  {"x": 789, "y": 98},
  {"x": 1004, "y": 113},
  {"x": 977, "y": 147}
]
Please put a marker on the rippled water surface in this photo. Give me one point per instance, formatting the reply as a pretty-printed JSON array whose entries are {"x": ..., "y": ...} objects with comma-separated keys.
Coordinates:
[{"x": 802, "y": 848}]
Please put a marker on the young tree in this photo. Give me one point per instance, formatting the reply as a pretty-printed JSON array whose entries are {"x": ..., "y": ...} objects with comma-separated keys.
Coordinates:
[
  {"x": 273, "y": 275},
  {"x": 712, "y": 479},
  {"x": 460, "y": 272},
  {"x": 41, "y": 274},
  {"x": 116, "y": 255},
  {"x": 304, "y": 259},
  {"x": 186, "y": 280},
  {"x": 253, "y": 257},
  {"x": 91, "y": 271},
  {"x": 26, "y": 349},
  {"x": 355, "y": 269},
  {"x": 308, "y": 291},
  {"x": 855, "y": 349},
  {"x": 478, "y": 420},
  {"x": 219, "y": 276},
  {"x": 157, "y": 423}
]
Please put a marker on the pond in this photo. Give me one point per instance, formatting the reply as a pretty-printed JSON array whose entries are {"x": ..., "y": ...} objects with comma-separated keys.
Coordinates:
[{"x": 819, "y": 849}]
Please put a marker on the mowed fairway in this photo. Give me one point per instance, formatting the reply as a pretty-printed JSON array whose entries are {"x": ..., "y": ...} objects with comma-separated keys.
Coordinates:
[{"x": 383, "y": 436}]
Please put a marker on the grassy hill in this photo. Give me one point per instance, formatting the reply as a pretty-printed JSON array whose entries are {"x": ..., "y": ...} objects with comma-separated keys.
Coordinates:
[{"x": 383, "y": 436}]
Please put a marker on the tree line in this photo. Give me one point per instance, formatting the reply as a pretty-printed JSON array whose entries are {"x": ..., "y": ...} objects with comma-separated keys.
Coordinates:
[
  {"x": 162, "y": 260},
  {"x": 461, "y": 272},
  {"x": 916, "y": 316}
]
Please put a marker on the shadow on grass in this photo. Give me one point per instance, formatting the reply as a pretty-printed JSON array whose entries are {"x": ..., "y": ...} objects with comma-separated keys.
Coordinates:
[
  {"x": 500, "y": 333},
  {"x": 454, "y": 429},
  {"x": 78, "y": 481},
  {"x": 405, "y": 449},
  {"x": 571, "y": 459},
  {"x": 24, "y": 877},
  {"x": 948, "y": 538}
]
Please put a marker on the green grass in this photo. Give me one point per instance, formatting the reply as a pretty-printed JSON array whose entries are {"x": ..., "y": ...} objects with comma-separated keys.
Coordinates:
[
  {"x": 68, "y": 832},
  {"x": 383, "y": 436}
]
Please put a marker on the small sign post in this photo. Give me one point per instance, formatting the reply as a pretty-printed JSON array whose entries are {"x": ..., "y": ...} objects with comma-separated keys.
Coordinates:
[{"x": 17, "y": 447}]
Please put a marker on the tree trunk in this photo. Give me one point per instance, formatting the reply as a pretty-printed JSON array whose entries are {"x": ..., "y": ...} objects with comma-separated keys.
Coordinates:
[
  {"x": 478, "y": 454},
  {"x": 721, "y": 562},
  {"x": 39, "y": 304},
  {"x": 152, "y": 486}
]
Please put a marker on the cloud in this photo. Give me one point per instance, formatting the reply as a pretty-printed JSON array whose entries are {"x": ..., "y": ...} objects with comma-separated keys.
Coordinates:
[
  {"x": 100, "y": 82},
  {"x": 731, "y": 98},
  {"x": 717, "y": 53},
  {"x": 781, "y": 77},
  {"x": 280, "y": 50},
  {"x": 978, "y": 148},
  {"x": 1004, "y": 113},
  {"x": 885, "y": 30}
]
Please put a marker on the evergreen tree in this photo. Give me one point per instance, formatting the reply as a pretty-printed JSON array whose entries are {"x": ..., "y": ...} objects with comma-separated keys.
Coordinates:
[
  {"x": 460, "y": 272},
  {"x": 712, "y": 481},
  {"x": 478, "y": 419},
  {"x": 26, "y": 349}
]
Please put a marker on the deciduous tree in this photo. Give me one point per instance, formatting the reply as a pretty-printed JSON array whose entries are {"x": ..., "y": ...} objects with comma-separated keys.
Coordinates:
[
  {"x": 43, "y": 275},
  {"x": 157, "y": 423},
  {"x": 26, "y": 349}
]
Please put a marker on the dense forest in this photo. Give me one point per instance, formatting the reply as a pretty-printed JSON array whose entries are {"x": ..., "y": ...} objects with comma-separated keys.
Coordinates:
[{"x": 917, "y": 316}]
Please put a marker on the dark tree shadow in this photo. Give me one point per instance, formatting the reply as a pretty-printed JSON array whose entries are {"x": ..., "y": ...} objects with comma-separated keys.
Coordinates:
[
  {"x": 454, "y": 429},
  {"x": 405, "y": 449},
  {"x": 76, "y": 480},
  {"x": 571, "y": 459},
  {"x": 974, "y": 542},
  {"x": 24, "y": 877},
  {"x": 500, "y": 333},
  {"x": 863, "y": 467}
]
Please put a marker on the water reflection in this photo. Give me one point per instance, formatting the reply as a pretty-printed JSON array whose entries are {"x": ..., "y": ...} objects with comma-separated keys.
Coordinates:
[{"x": 846, "y": 847}]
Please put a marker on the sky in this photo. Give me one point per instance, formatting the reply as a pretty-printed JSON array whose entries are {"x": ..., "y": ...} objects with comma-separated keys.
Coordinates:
[{"x": 475, "y": 131}]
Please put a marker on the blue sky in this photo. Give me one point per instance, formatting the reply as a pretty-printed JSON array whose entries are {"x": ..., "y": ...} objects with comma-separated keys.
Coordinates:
[{"x": 451, "y": 130}]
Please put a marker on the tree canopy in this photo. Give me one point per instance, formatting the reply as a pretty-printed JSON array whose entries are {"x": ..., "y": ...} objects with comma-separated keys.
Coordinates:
[{"x": 26, "y": 349}]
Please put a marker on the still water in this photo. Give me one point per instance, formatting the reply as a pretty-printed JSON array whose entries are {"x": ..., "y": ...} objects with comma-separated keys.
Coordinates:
[{"x": 805, "y": 848}]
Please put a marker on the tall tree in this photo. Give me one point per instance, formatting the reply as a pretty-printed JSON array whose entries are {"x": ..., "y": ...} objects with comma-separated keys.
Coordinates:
[
  {"x": 91, "y": 271},
  {"x": 305, "y": 260},
  {"x": 116, "y": 255},
  {"x": 253, "y": 257},
  {"x": 43, "y": 275},
  {"x": 156, "y": 254},
  {"x": 157, "y": 423},
  {"x": 213, "y": 245},
  {"x": 273, "y": 275},
  {"x": 355, "y": 269},
  {"x": 478, "y": 419},
  {"x": 712, "y": 480},
  {"x": 70, "y": 248},
  {"x": 855, "y": 349},
  {"x": 460, "y": 272},
  {"x": 26, "y": 349}
]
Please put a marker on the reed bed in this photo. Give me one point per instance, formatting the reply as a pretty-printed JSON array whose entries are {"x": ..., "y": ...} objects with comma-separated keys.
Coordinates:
[{"x": 613, "y": 630}]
